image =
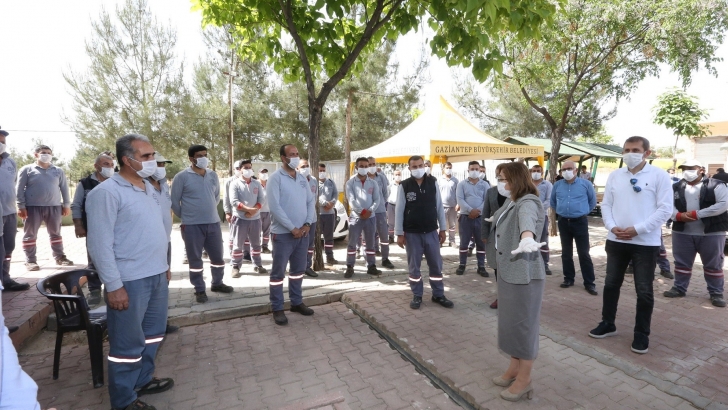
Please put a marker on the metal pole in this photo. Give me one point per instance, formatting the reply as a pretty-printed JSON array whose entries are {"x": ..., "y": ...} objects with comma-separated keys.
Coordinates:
[
  {"x": 347, "y": 146},
  {"x": 231, "y": 156}
]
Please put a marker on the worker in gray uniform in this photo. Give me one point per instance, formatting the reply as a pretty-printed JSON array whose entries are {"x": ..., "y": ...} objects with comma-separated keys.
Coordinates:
[
  {"x": 471, "y": 197},
  {"x": 305, "y": 169},
  {"x": 8, "y": 199},
  {"x": 43, "y": 197},
  {"x": 544, "y": 188},
  {"x": 246, "y": 198},
  {"x": 364, "y": 195},
  {"x": 195, "y": 195},
  {"x": 128, "y": 243},
  {"x": 264, "y": 212},
  {"x": 448, "y": 192},
  {"x": 380, "y": 220},
  {"x": 158, "y": 180},
  {"x": 419, "y": 212},
  {"x": 104, "y": 169},
  {"x": 328, "y": 195},
  {"x": 226, "y": 204},
  {"x": 292, "y": 208},
  {"x": 392, "y": 202}
]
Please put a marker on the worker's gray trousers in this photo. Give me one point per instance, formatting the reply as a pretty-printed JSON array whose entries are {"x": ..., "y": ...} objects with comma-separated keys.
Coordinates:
[
  {"x": 52, "y": 216},
  {"x": 209, "y": 238},
  {"x": 710, "y": 249},
  {"x": 427, "y": 245},
  {"x": 247, "y": 234},
  {"x": 356, "y": 227}
]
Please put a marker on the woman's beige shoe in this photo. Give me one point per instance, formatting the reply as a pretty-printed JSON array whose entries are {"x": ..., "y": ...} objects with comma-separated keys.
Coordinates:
[
  {"x": 528, "y": 392},
  {"x": 500, "y": 381}
]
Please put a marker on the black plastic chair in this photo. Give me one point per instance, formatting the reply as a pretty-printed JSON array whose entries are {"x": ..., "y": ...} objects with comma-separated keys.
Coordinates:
[{"x": 72, "y": 313}]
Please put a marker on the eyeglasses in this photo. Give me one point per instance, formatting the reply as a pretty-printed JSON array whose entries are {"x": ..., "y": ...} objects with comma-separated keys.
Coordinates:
[{"x": 635, "y": 188}]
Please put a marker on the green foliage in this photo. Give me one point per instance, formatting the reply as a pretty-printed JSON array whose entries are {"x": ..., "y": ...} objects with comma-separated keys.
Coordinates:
[
  {"x": 134, "y": 84},
  {"x": 665, "y": 152},
  {"x": 680, "y": 112}
]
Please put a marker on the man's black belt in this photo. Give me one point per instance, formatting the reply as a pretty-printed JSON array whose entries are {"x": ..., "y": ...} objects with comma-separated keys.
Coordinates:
[{"x": 571, "y": 219}]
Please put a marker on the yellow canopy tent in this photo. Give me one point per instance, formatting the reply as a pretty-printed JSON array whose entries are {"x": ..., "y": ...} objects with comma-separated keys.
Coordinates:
[{"x": 441, "y": 134}]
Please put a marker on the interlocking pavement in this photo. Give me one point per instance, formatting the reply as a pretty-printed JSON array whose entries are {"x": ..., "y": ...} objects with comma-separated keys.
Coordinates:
[{"x": 329, "y": 359}]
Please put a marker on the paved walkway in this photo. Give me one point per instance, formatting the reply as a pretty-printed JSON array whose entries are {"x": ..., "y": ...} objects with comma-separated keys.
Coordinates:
[{"x": 687, "y": 364}]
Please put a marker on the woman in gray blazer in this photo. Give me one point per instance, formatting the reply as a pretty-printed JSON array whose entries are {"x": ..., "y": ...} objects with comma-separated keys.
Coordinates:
[{"x": 521, "y": 275}]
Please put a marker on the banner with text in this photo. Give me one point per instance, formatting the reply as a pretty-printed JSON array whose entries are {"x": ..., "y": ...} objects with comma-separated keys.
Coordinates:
[{"x": 453, "y": 150}]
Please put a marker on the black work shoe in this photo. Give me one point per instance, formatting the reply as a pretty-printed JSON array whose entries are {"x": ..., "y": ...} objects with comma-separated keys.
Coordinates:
[
  {"x": 387, "y": 264},
  {"x": 280, "y": 318},
  {"x": 63, "y": 261},
  {"x": 201, "y": 297},
  {"x": 247, "y": 259},
  {"x": 171, "y": 329},
  {"x": 470, "y": 251},
  {"x": 205, "y": 255},
  {"x": 156, "y": 385},
  {"x": 236, "y": 272},
  {"x": 331, "y": 261},
  {"x": 592, "y": 291},
  {"x": 349, "y": 272},
  {"x": 667, "y": 274},
  {"x": 185, "y": 261},
  {"x": 567, "y": 284},
  {"x": 358, "y": 255},
  {"x": 482, "y": 272},
  {"x": 673, "y": 293},
  {"x": 222, "y": 288},
  {"x": 302, "y": 309},
  {"x": 137, "y": 405},
  {"x": 12, "y": 286},
  {"x": 416, "y": 302},
  {"x": 310, "y": 272},
  {"x": 460, "y": 270},
  {"x": 260, "y": 269},
  {"x": 640, "y": 343},
  {"x": 265, "y": 249},
  {"x": 717, "y": 300},
  {"x": 548, "y": 272},
  {"x": 372, "y": 270},
  {"x": 13, "y": 329},
  {"x": 378, "y": 253},
  {"x": 94, "y": 297},
  {"x": 443, "y": 301},
  {"x": 629, "y": 270},
  {"x": 603, "y": 330}
]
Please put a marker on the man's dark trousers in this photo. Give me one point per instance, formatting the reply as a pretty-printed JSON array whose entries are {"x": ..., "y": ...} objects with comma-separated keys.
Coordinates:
[
  {"x": 10, "y": 229},
  {"x": 576, "y": 230},
  {"x": 644, "y": 259},
  {"x": 427, "y": 245}
]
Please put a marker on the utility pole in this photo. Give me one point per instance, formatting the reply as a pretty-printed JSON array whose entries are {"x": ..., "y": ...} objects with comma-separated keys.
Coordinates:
[{"x": 231, "y": 148}]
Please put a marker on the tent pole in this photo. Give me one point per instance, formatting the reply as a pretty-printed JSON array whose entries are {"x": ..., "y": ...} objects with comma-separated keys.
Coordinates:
[{"x": 594, "y": 169}]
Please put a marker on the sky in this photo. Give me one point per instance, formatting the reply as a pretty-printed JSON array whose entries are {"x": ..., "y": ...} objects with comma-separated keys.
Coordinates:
[{"x": 33, "y": 57}]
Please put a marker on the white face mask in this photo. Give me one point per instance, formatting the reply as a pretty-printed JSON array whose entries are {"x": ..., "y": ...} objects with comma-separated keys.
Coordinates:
[
  {"x": 202, "y": 162},
  {"x": 481, "y": 175},
  {"x": 247, "y": 173},
  {"x": 418, "y": 172},
  {"x": 159, "y": 173},
  {"x": 372, "y": 170},
  {"x": 2, "y": 148},
  {"x": 45, "y": 158},
  {"x": 148, "y": 168},
  {"x": 536, "y": 176},
  {"x": 632, "y": 159},
  {"x": 322, "y": 175},
  {"x": 568, "y": 174},
  {"x": 398, "y": 178},
  {"x": 427, "y": 170},
  {"x": 237, "y": 172},
  {"x": 293, "y": 162},
  {"x": 263, "y": 176},
  {"x": 473, "y": 174},
  {"x": 503, "y": 191},
  {"x": 448, "y": 171},
  {"x": 107, "y": 172},
  {"x": 362, "y": 171},
  {"x": 690, "y": 175},
  {"x": 305, "y": 171}
]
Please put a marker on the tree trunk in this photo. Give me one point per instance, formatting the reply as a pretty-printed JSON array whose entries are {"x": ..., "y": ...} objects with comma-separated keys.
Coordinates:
[
  {"x": 556, "y": 135},
  {"x": 674, "y": 153},
  {"x": 347, "y": 146},
  {"x": 315, "y": 113}
]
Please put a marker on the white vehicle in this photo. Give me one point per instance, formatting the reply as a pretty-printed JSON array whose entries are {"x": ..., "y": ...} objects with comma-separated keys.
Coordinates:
[{"x": 341, "y": 228}]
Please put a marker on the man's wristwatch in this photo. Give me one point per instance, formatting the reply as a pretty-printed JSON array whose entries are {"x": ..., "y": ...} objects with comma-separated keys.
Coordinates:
[{"x": 307, "y": 224}]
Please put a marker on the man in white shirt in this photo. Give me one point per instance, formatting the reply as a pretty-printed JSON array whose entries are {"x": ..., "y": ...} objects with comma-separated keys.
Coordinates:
[
  {"x": 637, "y": 202},
  {"x": 448, "y": 185},
  {"x": 699, "y": 227},
  {"x": 392, "y": 203}
]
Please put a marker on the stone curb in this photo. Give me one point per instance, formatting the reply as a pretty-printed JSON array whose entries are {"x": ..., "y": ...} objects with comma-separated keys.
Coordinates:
[{"x": 463, "y": 398}]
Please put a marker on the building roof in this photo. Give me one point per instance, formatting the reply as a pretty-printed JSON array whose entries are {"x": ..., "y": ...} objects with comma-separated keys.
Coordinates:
[{"x": 717, "y": 129}]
